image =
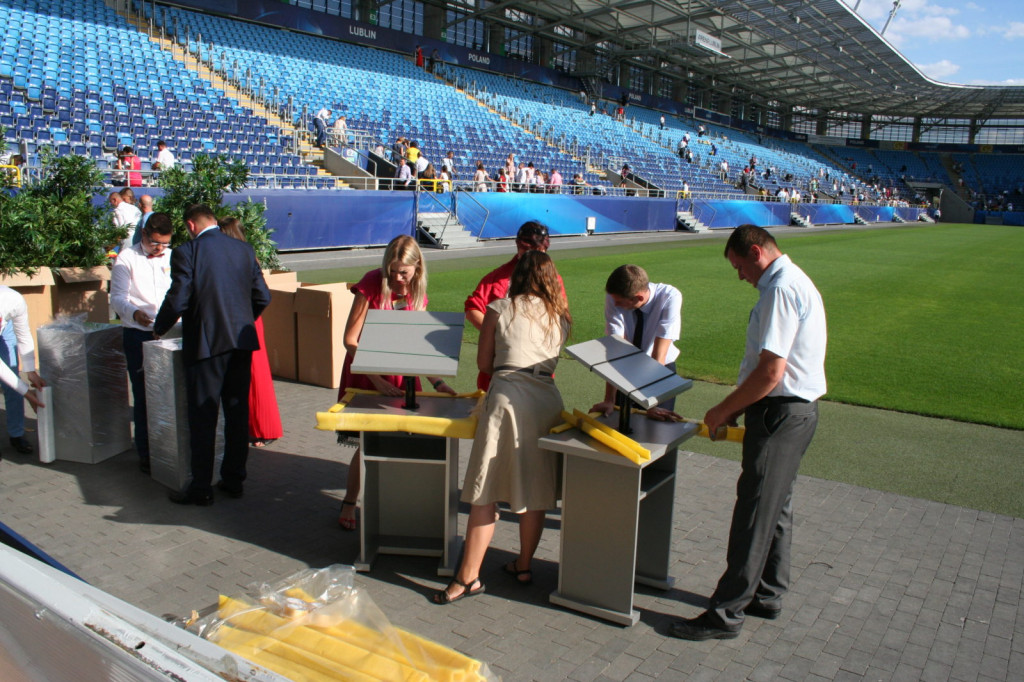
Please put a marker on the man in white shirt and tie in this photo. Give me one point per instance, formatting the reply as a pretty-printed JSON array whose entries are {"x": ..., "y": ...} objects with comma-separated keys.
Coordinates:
[
  {"x": 138, "y": 282},
  {"x": 648, "y": 314}
]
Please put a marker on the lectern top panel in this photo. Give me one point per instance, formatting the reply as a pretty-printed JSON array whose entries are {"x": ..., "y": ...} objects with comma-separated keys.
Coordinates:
[
  {"x": 645, "y": 380},
  {"x": 409, "y": 342}
]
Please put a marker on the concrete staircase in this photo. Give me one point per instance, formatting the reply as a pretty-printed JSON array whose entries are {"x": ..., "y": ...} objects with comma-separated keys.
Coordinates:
[
  {"x": 690, "y": 222},
  {"x": 799, "y": 220},
  {"x": 897, "y": 218},
  {"x": 444, "y": 230},
  {"x": 925, "y": 218},
  {"x": 858, "y": 220}
]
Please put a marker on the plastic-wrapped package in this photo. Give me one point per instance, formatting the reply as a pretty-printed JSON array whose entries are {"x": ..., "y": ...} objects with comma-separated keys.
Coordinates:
[
  {"x": 170, "y": 455},
  {"x": 317, "y": 625},
  {"x": 84, "y": 363}
]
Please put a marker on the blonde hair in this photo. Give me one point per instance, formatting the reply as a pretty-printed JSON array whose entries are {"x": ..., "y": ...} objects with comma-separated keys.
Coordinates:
[{"x": 404, "y": 249}]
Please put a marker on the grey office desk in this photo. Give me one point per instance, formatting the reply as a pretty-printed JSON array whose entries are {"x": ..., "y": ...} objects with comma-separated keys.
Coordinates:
[
  {"x": 616, "y": 518},
  {"x": 410, "y": 493}
]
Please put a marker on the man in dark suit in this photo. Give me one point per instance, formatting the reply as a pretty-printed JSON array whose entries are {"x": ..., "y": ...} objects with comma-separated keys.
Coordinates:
[{"x": 217, "y": 289}]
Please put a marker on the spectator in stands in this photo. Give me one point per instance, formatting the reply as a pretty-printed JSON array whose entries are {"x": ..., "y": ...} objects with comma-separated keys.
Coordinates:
[
  {"x": 341, "y": 131},
  {"x": 701, "y": 130},
  {"x": 480, "y": 178},
  {"x": 686, "y": 189},
  {"x": 427, "y": 177},
  {"x": 593, "y": 108},
  {"x": 520, "y": 178},
  {"x": 398, "y": 149},
  {"x": 131, "y": 163},
  {"x": 444, "y": 181},
  {"x": 146, "y": 207},
  {"x": 320, "y": 126},
  {"x": 403, "y": 176},
  {"x": 510, "y": 167},
  {"x": 661, "y": 122},
  {"x": 435, "y": 57},
  {"x": 689, "y": 156},
  {"x": 124, "y": 215},
  {"x": 419, "y": 57},
  {"x": 502, "y": 185},
  {"x": 555, "y": 180},
  {"x": 625, "y": 173},
  {"x": 578, "y": 183},
  {"x": 164, "y": 158},
  {"x": 412, "y": 153},
  {"x": 422, "y": 163},
  {"x": 723, "y": 169},
  {"x": 448, "y": 164},
  {"x": 714, "y": 149}
]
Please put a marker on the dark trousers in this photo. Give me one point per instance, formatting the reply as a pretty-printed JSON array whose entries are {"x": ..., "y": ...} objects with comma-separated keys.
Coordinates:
[
  {"x": 133, "y": 340},
  {"x": 222, "y": 380},
  {"x": 757, "y": 559}
]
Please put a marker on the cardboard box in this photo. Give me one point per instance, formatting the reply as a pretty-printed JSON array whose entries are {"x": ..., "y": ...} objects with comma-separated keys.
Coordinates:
[
  {"x": 321, "y": 311},
  {"x": 280, "y": 278},
  {"x": 82, "y": 290},
  {"x": 37, "y": 290},
  {"x": 170, "y": 453},
  {"x": 85, "y": 365},
  {"x": 279, "y": 330}
]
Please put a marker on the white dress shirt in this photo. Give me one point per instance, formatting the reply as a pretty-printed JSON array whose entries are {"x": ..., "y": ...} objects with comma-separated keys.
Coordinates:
[
  {"x": 166, "y": 159},
  {"x": 662, "y": 319},
  {"x": 14, "y": 310},
  {"x": 138, "y": 282}
]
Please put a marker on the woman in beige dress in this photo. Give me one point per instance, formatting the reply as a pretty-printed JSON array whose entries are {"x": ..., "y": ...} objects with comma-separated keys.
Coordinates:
[{"x": 520, "y": 340}]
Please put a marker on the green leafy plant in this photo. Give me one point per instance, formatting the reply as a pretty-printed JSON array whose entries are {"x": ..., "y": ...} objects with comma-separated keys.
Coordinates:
[
  {"x": 53, "y": 222},
  {"x": 210, "y": 177}
]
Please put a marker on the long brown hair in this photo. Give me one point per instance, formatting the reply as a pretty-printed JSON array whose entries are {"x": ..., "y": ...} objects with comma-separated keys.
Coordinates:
[
  {"x": 232, "y": 227},
  {"x": 535, "y": 275},
  {"x": 404, "y": 249}
]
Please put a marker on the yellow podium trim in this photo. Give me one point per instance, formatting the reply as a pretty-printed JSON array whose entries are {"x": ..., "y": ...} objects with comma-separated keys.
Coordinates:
[{"x": 337, "y": 419}]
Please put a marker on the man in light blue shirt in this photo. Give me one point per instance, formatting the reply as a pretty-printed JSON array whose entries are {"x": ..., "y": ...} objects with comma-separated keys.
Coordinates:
[{"x": 780, "y": 380}]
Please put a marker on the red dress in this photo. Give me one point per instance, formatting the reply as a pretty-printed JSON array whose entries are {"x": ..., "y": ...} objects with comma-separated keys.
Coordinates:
[
  {"x": 264, "y": 417},
  {"x": 370, "y": 287}
]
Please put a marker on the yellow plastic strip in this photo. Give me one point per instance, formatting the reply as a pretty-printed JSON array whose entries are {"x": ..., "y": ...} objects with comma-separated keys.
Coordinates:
[
  {"x": 337, "y": 419},
  {"x": 290, "y": 661},
  {"x": 600, "y": 436},
  {"x": 628, "y": 442},
  {"x": 733, "y": 434}
]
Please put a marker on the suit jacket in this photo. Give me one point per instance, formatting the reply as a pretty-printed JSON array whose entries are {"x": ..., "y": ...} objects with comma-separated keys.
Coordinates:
[{"x": 217, "y": 290}]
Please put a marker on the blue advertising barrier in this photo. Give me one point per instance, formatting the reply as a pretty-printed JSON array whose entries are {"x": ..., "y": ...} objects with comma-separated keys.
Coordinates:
[
  {"x": 820, "y": 214},
  {"x": 567, "y": 214},
  {"x": 732, "y": 212},
  {"x": 875, "y": 214}
]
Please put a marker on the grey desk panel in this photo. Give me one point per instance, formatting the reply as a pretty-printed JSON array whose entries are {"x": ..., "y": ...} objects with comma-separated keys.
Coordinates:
[
  {"x": 605, "y": 349},
  {"x": 645, "y": 380},
  {"x": 409, "y": 343}
]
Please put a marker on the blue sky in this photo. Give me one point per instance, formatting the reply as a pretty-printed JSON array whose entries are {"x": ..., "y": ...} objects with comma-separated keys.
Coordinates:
[{"x": 974, "y": 43}]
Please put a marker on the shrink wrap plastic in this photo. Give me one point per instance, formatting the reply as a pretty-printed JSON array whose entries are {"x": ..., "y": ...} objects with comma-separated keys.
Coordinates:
[
  {"x": 317, "y": 625},
  {"x": 84, "y": 363},
  {"x": 170, "y": 454}
]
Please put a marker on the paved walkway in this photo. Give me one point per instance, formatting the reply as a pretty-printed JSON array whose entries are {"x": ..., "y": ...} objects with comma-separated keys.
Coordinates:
[{"x": 884, "y": 587}]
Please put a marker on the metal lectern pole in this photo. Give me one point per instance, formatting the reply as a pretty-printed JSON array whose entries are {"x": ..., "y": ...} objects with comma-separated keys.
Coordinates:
[
  {"x": 625, "y": 412},
  {"x": 410, "y": 392}
]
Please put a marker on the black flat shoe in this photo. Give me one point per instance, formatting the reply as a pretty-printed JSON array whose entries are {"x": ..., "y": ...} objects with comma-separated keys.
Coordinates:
[
  {"x": 185, "y": 497},
  {"x": 701, "y": 628},
  {"x": 144, "y": 466},
  {"x": 759, "y": 610},
  {"x": 233, "y": 491},
  {"x": 21, "y": 446}
]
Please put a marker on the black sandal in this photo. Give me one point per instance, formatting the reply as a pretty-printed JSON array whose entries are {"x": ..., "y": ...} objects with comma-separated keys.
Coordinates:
[
  {"x": 512, "y": 570},
  {"x": 444, "y": 597}
]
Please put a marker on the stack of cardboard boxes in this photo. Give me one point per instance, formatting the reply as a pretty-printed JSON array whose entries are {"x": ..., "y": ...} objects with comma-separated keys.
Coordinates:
[{"x": 304, "y": 327}]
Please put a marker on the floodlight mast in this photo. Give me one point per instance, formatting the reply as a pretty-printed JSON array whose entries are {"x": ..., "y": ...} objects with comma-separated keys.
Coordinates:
[{"x": 895, "y": 6}]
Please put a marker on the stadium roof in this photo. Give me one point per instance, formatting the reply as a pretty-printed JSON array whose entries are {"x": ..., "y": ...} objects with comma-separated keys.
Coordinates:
[{"x": 816, "y": 54}]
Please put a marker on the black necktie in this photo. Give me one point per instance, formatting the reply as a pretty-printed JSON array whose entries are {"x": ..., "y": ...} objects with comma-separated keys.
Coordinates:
[{"x": 638, "y": 330}]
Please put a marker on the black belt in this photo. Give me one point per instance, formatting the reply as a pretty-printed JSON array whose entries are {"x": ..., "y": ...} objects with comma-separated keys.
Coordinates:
[
  {"x": 780, "y": 400},
  {"x": 535, "y": 370}
]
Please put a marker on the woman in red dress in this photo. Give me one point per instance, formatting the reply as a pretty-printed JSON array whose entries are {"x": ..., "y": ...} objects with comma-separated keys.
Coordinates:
[
  {"x": 399, "y": 284},
  {"x": 264, "y": 416}
]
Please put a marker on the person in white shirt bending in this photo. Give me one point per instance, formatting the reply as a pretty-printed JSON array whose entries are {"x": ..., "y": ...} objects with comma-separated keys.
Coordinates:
[{"x": 15, "y": 341}]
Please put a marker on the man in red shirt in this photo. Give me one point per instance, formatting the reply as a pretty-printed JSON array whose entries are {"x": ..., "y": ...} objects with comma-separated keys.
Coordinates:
[{"x": 531, "y": 236}]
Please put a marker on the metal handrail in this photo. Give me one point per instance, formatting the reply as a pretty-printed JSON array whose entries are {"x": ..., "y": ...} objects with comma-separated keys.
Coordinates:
[
  {"x": 424, "y": 194},
  {"x": 461, "y": 193}
]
